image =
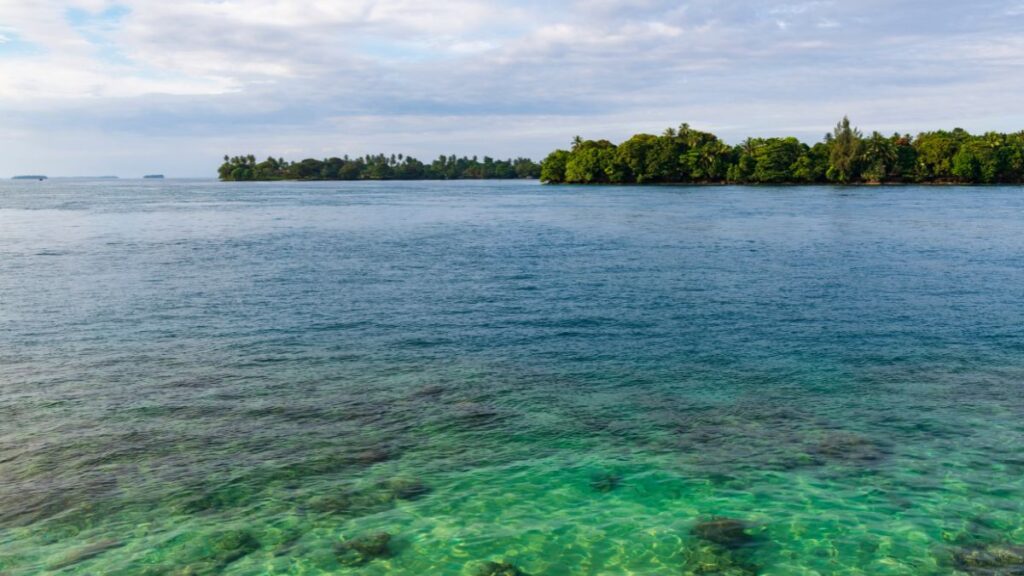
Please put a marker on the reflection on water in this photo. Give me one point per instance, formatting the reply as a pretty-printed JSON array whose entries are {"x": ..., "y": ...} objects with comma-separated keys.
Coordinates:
[{"x": 500, "y": 379}]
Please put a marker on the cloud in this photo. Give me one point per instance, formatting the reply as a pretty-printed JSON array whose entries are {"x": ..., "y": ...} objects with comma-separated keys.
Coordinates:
[{"x": 482, "y": 76}]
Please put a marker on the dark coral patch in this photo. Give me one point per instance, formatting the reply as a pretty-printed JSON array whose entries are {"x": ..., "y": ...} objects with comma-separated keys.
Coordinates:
[
  {"x": 727, "y": 532},
  {"x": 363, "y": 549},
  {"x": 605, "y": 482},
  {"x": 498, "y": 569}
]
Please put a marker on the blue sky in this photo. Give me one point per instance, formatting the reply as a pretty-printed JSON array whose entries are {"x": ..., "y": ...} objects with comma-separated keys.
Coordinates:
[{"x": 98, "y": 87}]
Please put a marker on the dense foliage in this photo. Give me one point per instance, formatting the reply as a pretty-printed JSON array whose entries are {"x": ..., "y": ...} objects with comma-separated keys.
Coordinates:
[
  {"x": 844, "y": 157},
  {"x": 380, "y": 167}
]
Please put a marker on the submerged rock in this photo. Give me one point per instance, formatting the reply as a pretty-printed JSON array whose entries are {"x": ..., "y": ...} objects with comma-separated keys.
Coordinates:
[
  {"x": 377, "y": 498},
  {"x": 287, "y": 540},
  {"x": 847, "y": 447},
  {"x": 407, "y": 488},
  {"x": 229, "y": 495},
  {"x": 232, "y": 545},
  {"x": 363, "y": 549},
  {"x": 990, "y": 560},
  {"x": 498, "y": 569},
  {"x": 743, "y": 436},
  {"x": 605, "y": 482},
  {"x": 727, "y": 532},
  {"x": 315, "y": 465},
  {"x": 208, "y": 556},
  {"x": 353, "y": 503},
  {"x": 475, "y": 412},
  {"x": 31, "y": 509},
  {"x": 85, "y": 553},
  {"x": 373, "y": 456},
  {"x": 712, "y": 559},
  {"x": 331, "y": 504}
]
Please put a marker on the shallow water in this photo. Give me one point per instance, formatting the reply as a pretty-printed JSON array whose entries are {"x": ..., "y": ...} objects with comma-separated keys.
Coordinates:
[{"x": 204, "y": 378}]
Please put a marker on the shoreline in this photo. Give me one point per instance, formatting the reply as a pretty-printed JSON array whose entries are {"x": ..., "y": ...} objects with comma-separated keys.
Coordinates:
[{"x": 664, "y": 184}]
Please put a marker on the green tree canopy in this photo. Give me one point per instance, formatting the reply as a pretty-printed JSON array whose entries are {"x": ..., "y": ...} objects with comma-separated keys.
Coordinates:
[
  {"x": 376, "y": 167},
  {"x": 685, "y": 155},
  {"x": 844, "y": 153}
]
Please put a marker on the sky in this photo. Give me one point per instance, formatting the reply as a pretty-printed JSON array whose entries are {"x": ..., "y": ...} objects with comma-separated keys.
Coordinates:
[{"x": 97, "y": 87}]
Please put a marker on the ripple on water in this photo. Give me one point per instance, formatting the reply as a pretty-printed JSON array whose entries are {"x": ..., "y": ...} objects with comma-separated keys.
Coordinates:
[{"x": 480, "y": 378}]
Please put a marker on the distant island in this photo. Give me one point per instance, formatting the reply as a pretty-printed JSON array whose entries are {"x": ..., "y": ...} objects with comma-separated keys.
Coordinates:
[
  {"x": 29, "y": 177},
  {"x": 379, "y": 167},
  {"x": 154, "y": 176},
  {"x": 846, "y": 156}
]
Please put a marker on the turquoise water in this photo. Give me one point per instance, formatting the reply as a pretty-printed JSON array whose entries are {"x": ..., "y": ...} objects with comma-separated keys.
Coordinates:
[{"x": 422, "y": 378}]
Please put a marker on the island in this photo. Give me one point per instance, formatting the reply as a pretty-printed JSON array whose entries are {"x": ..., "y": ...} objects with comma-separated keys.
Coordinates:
[
  {"x": 845, "y": 156},
  {"x": 379, "y": 167},
  {"x": 154, "y": 177},
  {"x": 29, "y": 177}
]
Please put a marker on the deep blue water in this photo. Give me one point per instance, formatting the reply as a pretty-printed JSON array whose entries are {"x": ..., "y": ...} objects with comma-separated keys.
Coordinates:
[{"x": 202, "y": 378}]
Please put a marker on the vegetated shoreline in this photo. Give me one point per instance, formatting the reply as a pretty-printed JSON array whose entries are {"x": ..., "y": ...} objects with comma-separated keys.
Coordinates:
[
  {"x": 379, "y": 167},
  {"x": 530, "y": 178},
  {"x": 722, "y": 184},
  {"x": 685, "y": 156},
  {"x": 726, "y": 184},
  {"x": 689, "y": 157}
]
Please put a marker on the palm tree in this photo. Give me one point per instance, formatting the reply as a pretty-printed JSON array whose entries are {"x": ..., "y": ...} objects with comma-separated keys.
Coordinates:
[
  {"x": 710, "y": 156},
  {"x": 880, "y": 157}
]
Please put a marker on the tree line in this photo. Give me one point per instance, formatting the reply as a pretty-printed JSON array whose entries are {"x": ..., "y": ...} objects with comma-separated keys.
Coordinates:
[
  {"x": 846, "y": 156},
  {"x": 379, "y": 167}
]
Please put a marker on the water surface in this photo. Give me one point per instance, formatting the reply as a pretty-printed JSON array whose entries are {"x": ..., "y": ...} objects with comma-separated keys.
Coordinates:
[{"x": 206, "y": 378}]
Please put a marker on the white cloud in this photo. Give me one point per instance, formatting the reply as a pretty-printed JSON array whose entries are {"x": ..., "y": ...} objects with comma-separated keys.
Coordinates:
[
  {"x": 404, "y": 75},
  {"x": 799, "y": 8}
]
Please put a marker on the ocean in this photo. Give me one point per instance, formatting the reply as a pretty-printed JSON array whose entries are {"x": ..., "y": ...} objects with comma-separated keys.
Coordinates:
[{"x": 483, "y": 378}]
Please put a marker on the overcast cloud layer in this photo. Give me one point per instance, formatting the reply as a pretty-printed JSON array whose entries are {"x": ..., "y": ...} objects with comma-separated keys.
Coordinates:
[{"x": 93, "y": 87}]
